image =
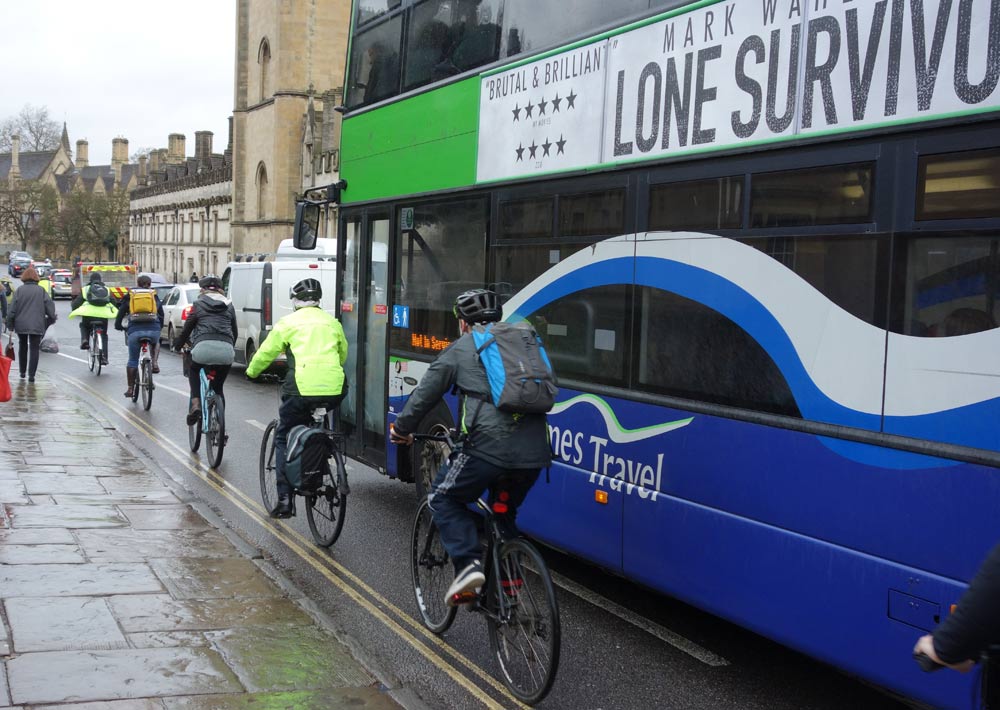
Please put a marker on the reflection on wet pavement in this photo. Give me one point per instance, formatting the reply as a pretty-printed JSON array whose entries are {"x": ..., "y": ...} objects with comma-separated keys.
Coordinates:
[{"x": 116, "y": 595}]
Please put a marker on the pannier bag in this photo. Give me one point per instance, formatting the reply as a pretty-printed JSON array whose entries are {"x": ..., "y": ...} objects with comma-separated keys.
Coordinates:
[
  {"x": 517, "y": 367},
  {"x": 98, "y": 295},
  {"x": 307, "y": 457},
  {"x": 142, "y": 305}
]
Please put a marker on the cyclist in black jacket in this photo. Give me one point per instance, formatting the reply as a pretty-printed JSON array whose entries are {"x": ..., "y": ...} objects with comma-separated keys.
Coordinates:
[
  {"x": 496, "y": 443},
  {"x": 961, "y": 638}
]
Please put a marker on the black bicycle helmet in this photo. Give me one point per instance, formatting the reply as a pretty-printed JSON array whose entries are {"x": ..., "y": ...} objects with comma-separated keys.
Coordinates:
[
  {"x": 210, "y": 282},
  {"x": 478, "y": 306},
  {"x": 95, "y": 277},
  {"x": 306, "y": 290}
]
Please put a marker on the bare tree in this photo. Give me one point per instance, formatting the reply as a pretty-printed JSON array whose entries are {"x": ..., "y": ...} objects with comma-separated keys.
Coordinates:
[
  {"x": 37, "y": 130},
  {"x": 20, "y": 209},
  {"x": 139, "y": 152},
  {"x": 62, "y": 227}
]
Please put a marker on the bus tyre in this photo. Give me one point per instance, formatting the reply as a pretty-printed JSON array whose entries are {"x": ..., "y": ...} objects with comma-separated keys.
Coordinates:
[{"x": 427, "y": 457}]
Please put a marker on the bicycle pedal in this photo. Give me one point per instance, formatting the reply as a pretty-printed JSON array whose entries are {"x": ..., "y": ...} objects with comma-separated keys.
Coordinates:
[{"x": 463, "y": 598}]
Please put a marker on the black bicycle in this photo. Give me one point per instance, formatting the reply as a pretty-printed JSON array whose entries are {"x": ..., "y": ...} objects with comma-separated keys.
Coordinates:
[
  {"x": 326, "y": 504},
  {"x": 518, "y": 598},
  {"x": 96, "y": 348}
]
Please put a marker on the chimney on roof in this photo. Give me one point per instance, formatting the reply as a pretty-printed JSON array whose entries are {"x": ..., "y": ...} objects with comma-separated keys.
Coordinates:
[
  {"x": 203, "y": 149},
  {"x": 15, "y": 168},
  {"x": 175, "y": 148},
  {"x": 142, "y": 169},
  {"x": 119, "y": 156},
  {"x": 154, "y": 161},
  {"x": 82, "y": 154}
]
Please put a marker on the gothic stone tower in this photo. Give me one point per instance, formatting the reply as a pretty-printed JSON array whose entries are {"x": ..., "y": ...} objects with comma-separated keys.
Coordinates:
[{"x": 285, "y": 50}]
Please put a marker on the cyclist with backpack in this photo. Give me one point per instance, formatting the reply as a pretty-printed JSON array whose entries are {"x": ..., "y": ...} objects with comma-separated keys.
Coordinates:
[
  {"x": 498, "y": 441},
  {"x": 314, "y": 343},
  {"x": 145, "y": 316},
  {"x": 93, "y": 307}
]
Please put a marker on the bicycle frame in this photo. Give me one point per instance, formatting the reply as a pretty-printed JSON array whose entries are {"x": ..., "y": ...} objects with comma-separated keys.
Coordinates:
[{"x": 205, "y": 376}]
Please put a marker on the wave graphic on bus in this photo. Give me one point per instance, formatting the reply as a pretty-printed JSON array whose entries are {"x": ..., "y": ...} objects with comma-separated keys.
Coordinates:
[
  {"x": 616, "y": 432},
  {"x": 840, "y": 369}
]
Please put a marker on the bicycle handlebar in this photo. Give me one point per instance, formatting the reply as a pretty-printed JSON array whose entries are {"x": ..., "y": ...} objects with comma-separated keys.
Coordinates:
[{"x": 926, "y": 663}]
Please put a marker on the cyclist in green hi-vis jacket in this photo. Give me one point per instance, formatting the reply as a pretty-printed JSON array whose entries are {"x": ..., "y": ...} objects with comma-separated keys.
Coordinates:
[{"x": 314, "y": 344}]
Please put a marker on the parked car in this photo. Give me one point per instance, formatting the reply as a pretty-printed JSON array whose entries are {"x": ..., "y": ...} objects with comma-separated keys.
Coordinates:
[
  {"x": 16, "y": 254},
  {"x": 176, "y": 309},
  {"x": 62, "y": 284}
]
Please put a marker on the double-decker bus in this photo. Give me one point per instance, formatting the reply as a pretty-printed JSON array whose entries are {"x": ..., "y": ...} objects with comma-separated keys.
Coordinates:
[{"x": 761, "y": 242}]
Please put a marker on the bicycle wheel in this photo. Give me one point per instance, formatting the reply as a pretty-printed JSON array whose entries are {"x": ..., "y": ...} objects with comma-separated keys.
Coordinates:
[
  {"x": 268, "y": 471},
  {"x": 525, "y": 635},
  {"x": 100, "y": 353},
  {"x": 146, "y": 378},
  {"x": 194, "y": 434},
  {"x": 215, "y": 437},
  {"x": 325, "y": 510},
  {"x": 94, "y": 355},
  {"x": 432, "y": 572}
]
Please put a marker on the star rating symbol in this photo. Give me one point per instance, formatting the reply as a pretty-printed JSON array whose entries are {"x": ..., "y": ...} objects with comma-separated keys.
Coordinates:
[
  {"x": 541, "y": 106},
  {"x": 520, "y": 152},
  {"x": 570, "y": 99},
  {"x": 528, "y": 109},
  {"x": 555, "y": 103},
  {"x": 516, "y": 112},
  {"x": 560, "y": 144},
  {"x": 532, "y": 149},
  {"x": 545, "y": 147}
]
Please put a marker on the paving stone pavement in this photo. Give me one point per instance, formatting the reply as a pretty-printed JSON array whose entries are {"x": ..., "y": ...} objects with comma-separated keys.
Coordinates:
[{"x": 115, "y": 594}]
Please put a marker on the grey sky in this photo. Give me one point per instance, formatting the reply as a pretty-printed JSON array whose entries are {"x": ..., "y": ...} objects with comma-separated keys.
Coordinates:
[{"x": 133, "y": 68}]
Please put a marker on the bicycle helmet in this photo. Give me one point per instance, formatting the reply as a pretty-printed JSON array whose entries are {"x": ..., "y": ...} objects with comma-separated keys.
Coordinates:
[
  {"x": 95, "y": 277},
  {"x": 210, "y": 282},
  {"x": 478, "y": 306},
  {"x": 306, "y": 290}
]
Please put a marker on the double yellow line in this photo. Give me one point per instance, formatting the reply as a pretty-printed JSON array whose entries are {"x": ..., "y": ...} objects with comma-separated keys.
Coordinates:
[{"x": 400, "y": 623}]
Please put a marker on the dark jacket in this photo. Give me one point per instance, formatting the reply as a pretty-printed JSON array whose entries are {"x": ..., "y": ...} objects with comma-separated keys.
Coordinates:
[
  {"x": 975, "y": 623},
  {"x": 32, "y": 312},
  {"x": 503, "y": 439},
  {"x": 212, "y": 318},
  {"x": 124, "y": 310}
]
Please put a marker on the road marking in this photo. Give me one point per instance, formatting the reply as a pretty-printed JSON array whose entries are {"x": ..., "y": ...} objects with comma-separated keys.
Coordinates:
[
  {"x": 666, "y": 635},
  {"x": 318, "y": 560},
  {"x": 70, "y": 357},
  {"x": 159, "y": 386},
  {"x": 255, "y": 423}
]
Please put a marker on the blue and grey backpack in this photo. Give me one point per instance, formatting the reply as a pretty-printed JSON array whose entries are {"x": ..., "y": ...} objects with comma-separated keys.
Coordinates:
[{"x": 517, "y": 367}]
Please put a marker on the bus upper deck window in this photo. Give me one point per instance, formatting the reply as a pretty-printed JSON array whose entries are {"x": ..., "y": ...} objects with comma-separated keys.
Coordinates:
[
  {"x": 836, "y": 194},
  {"x": 958, "y": 185}
]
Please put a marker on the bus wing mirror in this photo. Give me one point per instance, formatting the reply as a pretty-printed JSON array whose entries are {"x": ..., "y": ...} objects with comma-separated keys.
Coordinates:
[{"x": 306, "y": 225}]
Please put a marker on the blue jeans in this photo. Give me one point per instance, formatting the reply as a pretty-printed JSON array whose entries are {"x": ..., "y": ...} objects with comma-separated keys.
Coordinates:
[
  {"x": 136, "y": 333},
  {"x": 295, "y": 410},
  {"x": 460, "y": 481}
]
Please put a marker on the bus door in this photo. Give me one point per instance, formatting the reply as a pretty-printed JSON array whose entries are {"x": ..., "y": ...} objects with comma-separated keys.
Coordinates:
[{"x": 363, "y": 307}]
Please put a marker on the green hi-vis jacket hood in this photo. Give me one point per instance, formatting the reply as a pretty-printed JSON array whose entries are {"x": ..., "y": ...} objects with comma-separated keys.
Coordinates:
[{"x": 316, "y": 348}]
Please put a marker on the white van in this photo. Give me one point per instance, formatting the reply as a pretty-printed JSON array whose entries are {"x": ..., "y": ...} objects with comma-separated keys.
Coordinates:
[{"x": 259, "y": 290}]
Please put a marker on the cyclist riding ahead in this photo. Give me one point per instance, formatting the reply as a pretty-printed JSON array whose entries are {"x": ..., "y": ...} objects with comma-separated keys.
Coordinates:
[
  {"x": 314, "y": 343},
  {"x": 495, "y": 443},
  {"x": 145, "y": 316},
  {"x": 211, "y": 330},
  {"x": 93, "y": 307}
]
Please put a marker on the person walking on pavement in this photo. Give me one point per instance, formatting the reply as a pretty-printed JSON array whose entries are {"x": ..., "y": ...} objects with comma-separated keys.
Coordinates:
[
  {"x": 211, "y": 330},
  {"x": 32, "y": 312},
  {"x": 88, "y": 307},
  {"x": 316, "y": 348},
  {"x": 497, "y": 443},
  {"x": 143, "y": 322}
]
